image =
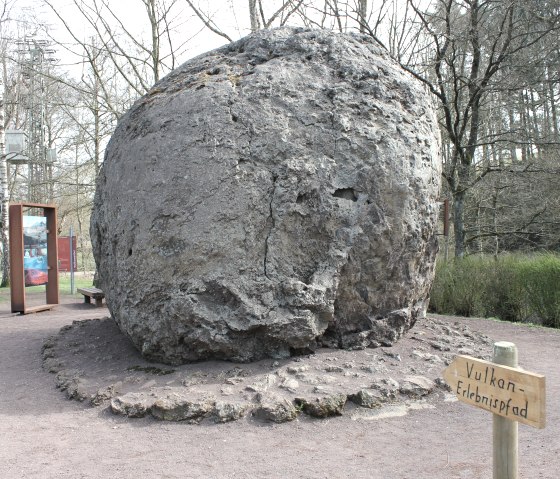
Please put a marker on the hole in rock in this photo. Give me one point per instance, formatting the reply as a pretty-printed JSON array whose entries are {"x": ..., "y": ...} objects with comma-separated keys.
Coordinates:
[
  {"x": 346, "y": 194},
  {"x": 309, "y": 199},
  {"x": 234, "y": 118},
  {"x": 306, "y": 351},
  {"x": 130, "y": 252}
]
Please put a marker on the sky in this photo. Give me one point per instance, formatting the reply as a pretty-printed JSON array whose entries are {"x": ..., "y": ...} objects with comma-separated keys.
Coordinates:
[
  {"x": 231, "y": 16},
  {"x": 187, "y": 28}
]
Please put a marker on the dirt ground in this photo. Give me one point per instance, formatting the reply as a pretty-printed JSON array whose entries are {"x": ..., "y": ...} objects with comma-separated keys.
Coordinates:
[{"x": 45, "y": 435}]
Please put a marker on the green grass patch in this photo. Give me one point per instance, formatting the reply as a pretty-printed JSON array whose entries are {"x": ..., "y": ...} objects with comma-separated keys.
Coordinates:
[
  {"x": 510, "y": 287},
  {"x": 80, "y": 281}
]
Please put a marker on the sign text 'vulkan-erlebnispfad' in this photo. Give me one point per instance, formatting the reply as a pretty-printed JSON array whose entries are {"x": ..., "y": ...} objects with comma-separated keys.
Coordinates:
[{"x": 502, "y": 390}]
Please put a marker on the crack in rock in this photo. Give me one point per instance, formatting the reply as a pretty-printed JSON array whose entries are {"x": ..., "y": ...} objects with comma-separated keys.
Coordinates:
[{"x": 339, "y": 250}]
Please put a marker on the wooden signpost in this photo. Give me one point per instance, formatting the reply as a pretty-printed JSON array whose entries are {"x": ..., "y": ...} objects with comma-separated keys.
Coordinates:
[
  {"x": 502, "y": 390},
  {"x": 511, "y": 394}
]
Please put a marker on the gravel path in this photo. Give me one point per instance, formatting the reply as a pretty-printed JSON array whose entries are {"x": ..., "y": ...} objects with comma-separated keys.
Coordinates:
[{"x": 44, "y": 435}]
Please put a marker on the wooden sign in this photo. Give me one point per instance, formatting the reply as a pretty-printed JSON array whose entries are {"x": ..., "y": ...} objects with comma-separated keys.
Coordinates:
[{"x": 508, "y": 392}]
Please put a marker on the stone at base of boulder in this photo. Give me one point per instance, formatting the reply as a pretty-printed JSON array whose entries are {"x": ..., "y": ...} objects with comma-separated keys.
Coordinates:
[
  {"x": 226, "y": 412},
  {"x": 70, "y": 382},
  {"x": 219, "y": 392},
  {"x": 322, "y": 407},
  {"x": 133, "y": 405},
  {"x": 416, "y": 386},
  {"x": 177, "y": 406},
  {"x": 275, "y": 409},
  {"x": 105, "y": 394},
  {"x": 369, "y": 398}
]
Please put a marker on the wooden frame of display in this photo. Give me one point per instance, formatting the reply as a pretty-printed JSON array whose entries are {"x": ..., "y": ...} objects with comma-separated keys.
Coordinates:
[{"x": 17, "y": 252}]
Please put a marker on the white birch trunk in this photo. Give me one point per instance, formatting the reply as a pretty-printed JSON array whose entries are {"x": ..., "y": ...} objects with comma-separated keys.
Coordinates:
[{"x": 4, "y": 200}]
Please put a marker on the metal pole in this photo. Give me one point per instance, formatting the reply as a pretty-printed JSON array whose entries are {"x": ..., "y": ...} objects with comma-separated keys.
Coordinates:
[
  {"x": 71, "y": 260},
  {"x": 505, "y": 440}
]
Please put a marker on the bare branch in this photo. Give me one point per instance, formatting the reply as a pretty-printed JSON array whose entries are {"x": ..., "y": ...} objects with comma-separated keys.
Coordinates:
[{"x": 208, "y": 22}]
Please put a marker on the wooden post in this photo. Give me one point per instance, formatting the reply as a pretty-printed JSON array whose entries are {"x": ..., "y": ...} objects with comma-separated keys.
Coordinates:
[
  {"x": 505, "y": 441},
  {"x": 511, "y": 394}
]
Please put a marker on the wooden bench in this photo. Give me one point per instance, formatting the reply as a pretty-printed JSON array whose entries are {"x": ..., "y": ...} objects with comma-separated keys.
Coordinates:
[{"x": 94, "y": 293}]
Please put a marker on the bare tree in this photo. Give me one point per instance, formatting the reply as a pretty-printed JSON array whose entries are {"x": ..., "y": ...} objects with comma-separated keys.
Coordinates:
[
  {"x": 492, "y": 66},
  {"x": 259, "y": 18},
  {"x": 4, "y": 198},
  {"x": 4, "y": 189},
  {"x": 139, "y": 62},
  {"x": 471, "y": 43},
  {"x": 488, "y": 64}
]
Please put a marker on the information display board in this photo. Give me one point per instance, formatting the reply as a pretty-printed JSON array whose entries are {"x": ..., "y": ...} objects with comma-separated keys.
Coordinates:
[
  {"x": 67, "y": 251},
  {"x": 33, "y": 255},
  {"x": 35, "y": 250}
]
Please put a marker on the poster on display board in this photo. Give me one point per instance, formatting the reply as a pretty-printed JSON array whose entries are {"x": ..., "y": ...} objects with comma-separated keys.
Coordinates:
[{"x": 35, "y": 264}]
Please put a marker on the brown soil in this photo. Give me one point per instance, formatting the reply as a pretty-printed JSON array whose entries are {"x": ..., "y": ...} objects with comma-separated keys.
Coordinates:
[{"x": 44, "y": 435}]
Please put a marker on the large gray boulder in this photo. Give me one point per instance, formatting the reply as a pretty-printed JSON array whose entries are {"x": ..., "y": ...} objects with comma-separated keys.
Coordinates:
[{"x": 268, "y": 197}]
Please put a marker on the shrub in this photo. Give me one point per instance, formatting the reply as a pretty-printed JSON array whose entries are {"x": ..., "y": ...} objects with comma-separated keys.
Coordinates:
[
  {"x": 456, "y": 287},
  {"x": 503, "y": 295},
  {"x": 541, "y": 283},
  {"x": 510, "y": 287}
]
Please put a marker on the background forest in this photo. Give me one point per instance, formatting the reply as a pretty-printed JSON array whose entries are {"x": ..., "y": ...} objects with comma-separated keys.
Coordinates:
[{"x": 71, "y": 68}]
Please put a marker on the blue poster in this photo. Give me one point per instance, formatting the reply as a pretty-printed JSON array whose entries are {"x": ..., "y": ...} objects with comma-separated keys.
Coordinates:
[{"x": 35, "y": 250}]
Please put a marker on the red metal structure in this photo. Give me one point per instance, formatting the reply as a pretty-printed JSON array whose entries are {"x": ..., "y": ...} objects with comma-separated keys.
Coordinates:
[
  {"x": 25, "y": 247},
  {"x": 64, "y": 253}
]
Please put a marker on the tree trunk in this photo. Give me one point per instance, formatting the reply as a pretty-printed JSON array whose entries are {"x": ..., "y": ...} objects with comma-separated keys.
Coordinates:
[
  {"x": 495, "y": 195},
  {"x": 553, "y": 112},
  {"x": 96, "y": 129},
  {"x": 459, "y": 188},
  {"x": 151, "y": 9},
  {"x": 254, "y": 16},
  {"x": 511, "y": 127},
  {"x": 524, "y": 135},
  {"x": 4, "y": 198},
  {"x": 362, "y": 15},
  {"x": 459, "y": 222}
]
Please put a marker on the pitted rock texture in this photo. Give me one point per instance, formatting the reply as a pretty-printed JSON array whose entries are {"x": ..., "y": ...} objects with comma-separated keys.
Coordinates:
[
  {"x": 269, "y": 197},
  {"x": 93, "y": 363}
]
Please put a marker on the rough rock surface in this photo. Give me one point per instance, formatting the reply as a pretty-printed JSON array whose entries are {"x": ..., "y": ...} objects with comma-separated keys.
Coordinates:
[
  {"x": 268, "y": 197},
  {"x": 95, "y": 364}
]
